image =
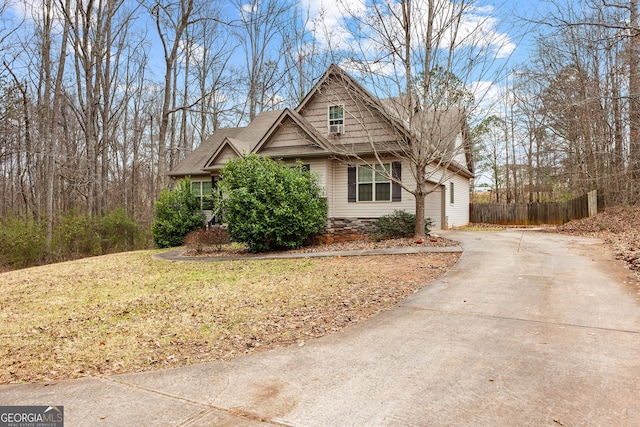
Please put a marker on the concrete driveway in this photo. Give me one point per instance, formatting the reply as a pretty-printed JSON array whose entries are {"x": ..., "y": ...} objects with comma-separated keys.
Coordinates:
[{"x": 528, "y": 329}]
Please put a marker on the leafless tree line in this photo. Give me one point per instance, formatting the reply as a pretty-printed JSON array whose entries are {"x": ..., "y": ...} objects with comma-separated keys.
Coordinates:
[
  {"x": 570, "y": 119},
  {"x": 101, "y": 98}
]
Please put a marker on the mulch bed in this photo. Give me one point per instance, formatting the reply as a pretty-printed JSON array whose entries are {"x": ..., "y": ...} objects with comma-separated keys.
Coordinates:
[{"x": 361, "y": 244}]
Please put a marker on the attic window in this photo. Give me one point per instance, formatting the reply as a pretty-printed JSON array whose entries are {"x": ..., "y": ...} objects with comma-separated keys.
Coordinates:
[{"x": 336, "y": 119}]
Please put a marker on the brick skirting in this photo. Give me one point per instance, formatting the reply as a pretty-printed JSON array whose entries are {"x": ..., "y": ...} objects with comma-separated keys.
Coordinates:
[{"x": 345, "y": 229}]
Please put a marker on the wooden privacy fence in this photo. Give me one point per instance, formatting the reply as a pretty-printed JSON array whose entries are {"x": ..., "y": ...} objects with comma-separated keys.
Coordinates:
[{"x": 534, "y": 213}]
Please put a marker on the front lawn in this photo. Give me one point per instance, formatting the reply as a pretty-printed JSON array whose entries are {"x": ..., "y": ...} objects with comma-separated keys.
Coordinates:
[{"x": 129, "y": 312}]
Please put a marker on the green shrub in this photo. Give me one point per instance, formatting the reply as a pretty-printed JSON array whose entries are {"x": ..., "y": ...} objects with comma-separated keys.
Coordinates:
[
  {"x": 396, "y": 225},
  {"x": 75, "y": 236},
  {"x": 22, "y": 243},
  {"x": 81, "y": 235},
  {"x": 118, "y": 232},
  {"x": 269, "y": 205},
  {"x": 177, "y": 213},
  {"x": 207, "y": 237}
]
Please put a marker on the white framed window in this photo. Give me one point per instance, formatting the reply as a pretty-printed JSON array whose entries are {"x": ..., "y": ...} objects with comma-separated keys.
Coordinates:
[
  {"x": 336, "y": 119},
  {"x": 203, "y": 191},
  {"x": 452, "y": 193},
  {"x": 373, "y": 183}
]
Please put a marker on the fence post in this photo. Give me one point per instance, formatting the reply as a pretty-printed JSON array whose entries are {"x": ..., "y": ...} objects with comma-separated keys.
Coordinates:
[{"x": 593, "y": 202}]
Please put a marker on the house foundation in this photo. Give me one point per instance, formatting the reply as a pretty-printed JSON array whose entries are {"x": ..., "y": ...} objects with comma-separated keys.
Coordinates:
[{"x": 346, "y": 229}]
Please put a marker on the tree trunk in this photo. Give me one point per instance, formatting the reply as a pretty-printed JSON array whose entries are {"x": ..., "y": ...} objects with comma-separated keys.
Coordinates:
[
  {"x": 52, "y": 151},
  {"x": 420, "y": 195},
  {"x": 634, "y": 97}
]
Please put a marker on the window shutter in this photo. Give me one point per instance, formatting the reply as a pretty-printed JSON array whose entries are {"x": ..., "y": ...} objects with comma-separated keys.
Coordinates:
[
  {"x": 396, "y": 190},
  {"x": 351, "y": 184}
]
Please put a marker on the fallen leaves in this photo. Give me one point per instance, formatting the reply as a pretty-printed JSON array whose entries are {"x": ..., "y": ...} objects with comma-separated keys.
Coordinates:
[
  {"x": 619, "y": 227},
  {"x": 174, "y": 314}
]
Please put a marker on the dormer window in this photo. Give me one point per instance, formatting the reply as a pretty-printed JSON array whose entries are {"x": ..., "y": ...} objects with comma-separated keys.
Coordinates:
[{"x": 336, "y": 119}]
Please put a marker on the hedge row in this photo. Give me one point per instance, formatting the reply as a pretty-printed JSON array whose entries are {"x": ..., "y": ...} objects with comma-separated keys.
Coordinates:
[{"x": 23, "y": 241}]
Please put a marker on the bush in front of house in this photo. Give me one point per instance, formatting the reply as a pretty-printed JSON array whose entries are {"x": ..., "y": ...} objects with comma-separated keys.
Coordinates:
[
  {"x": 177, "y": 213},
  {"x": 214, "y": 237},
  {"x": 269, "y": 205},
  {"x": 397, "y": 225}
]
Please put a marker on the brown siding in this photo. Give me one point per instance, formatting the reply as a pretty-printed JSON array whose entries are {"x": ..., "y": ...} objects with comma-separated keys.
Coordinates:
[
  {"x": 225, "y": 155},
  {"x": 287, "y": 135},
  {"x": 360, "y": 122},
  {"x": 290, "y": 139}
]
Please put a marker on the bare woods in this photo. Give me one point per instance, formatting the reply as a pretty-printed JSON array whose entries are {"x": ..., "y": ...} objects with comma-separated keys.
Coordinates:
[{"x": 99, "y": 99}]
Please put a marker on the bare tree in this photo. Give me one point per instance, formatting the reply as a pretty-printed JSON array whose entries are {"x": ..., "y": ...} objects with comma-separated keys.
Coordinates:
[
  {"x": 212, "y": 50},
  {"x": 304, "y": 58},
  {"x": 634, "y": 95},
  {"x": 489, "y": 143},
  {"x": 260, "y": 29},
  {"x": 587, "y": 69},
  {"x": 421, "y": 55},
  {"x": 172, "y": 19}
]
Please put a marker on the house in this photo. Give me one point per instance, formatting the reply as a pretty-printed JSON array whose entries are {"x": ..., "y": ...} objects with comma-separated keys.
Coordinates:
[{"x": 337, "y": 130}]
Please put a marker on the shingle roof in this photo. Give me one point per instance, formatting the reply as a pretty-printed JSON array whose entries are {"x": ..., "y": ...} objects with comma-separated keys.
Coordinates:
[
  {"x": 252, "y": 134},
  {"x": 448, "y": 125},
  {"x": 244, "y": 139},
  {"x": 195, "y": 161}
]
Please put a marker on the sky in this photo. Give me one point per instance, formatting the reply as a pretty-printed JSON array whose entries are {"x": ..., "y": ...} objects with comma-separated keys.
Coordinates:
[
  {"x": 500, "y": 22},
  {"x": 497, "y": 17},
  {"x": 503, "y": 27}
]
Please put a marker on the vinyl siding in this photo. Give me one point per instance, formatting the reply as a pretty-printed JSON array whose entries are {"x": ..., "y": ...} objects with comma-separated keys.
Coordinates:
[
  {"x": 458, "y": 212},
  {"x": 343, "y": 209},
  {"x": 287, "y": 135},
  {"x": 224, "y": 156},
  {"x": 432, "y": 206},
  {"x": 360, "y": 123},
  {"x": 289, "y": 140}
]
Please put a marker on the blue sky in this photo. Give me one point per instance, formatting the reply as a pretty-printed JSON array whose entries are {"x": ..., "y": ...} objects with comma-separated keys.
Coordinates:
[
  {"x": 500, "y": 21},
  {"x": 503, "y": 17}
]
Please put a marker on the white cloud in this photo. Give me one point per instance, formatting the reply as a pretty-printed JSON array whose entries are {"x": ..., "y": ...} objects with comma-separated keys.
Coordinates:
[
  {"x": 368, "y": 67},
  {"x": 328, "y": 20},
  {"x": 490, "y": 98},
  {"x": 478, "y": 27},
  {"x": 33, "y": 11},
  {"x": 249, "y": 8},
  {"x": 274, "y": 101},
  {"x": 481, "y": 30},
  {"x": 485, "y": 91}
]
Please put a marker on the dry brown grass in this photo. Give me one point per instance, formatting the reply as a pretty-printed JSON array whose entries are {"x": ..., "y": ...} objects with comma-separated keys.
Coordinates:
[{"x": 129, "y": 312}]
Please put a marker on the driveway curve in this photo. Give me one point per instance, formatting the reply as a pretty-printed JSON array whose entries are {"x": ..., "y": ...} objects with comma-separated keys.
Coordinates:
[{"x": 528, "y": 329}]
